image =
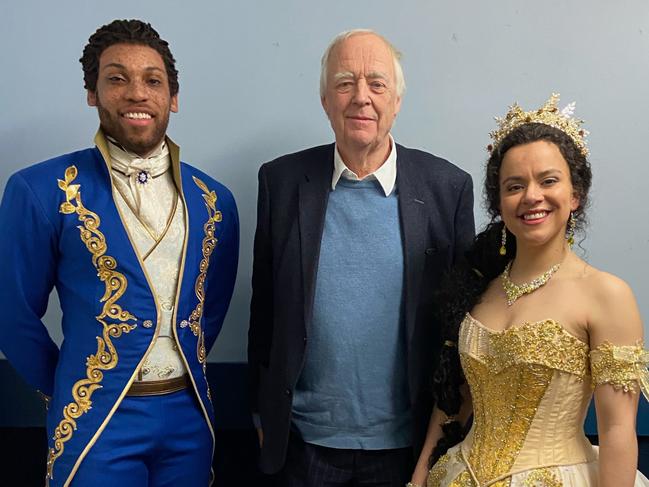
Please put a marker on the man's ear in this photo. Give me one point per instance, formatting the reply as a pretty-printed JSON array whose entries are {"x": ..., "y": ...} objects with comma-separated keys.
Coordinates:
[
  {"x": 174, "y": 103},
  {"x": 91, "y": 98},
  {"x": 323, "y": 102}
]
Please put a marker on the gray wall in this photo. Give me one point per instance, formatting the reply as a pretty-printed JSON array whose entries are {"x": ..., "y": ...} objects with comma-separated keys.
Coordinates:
[{"x": 249, "y": 92}]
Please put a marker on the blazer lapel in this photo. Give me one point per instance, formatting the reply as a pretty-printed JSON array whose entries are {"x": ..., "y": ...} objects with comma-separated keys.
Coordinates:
[
  {"x": 313, "y": 196},
  {"x": 415, "y": 208}
]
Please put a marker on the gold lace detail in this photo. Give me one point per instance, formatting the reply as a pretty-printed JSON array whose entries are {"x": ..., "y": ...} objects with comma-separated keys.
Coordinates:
[
  {"x": 463, "y": 480},
  {"x": 542, "y": 477},
  {"x": 504, "y": 406},
  {"x": 624, "y": 367},
  {"x": 438, "y": 472},
  {"x": 106, "y": 356},
  {"x": 209, "y": 243},
  {"x": 542, "y": 342}
]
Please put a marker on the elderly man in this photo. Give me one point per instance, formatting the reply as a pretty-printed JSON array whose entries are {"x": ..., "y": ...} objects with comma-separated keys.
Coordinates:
[
  {"x": 351, "y": 239},
  {"x": 142, "y": 250}
]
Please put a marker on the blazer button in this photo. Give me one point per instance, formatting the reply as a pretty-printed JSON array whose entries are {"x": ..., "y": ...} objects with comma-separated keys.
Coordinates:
[
  {"x": 287, "y": 392},
  {"x": 431, "y": 251}
]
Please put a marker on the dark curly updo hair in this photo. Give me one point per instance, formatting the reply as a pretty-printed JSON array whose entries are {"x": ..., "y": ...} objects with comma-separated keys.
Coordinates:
[
  {"x": 125, "y": 32},
  {"x": 466, "y": 283}
]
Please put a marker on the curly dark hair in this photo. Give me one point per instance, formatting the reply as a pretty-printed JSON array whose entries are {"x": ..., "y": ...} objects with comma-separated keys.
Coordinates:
[
  {"x": 125, "y": 32},
  {"x": 464, "y": 286}
]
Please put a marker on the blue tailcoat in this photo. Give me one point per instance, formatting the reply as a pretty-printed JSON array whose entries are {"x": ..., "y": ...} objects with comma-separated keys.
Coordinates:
[{"x": 61, "y": 228}]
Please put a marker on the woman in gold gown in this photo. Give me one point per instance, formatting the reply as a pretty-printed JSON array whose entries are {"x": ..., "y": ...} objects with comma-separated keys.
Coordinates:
[{"x": 532, "y": 331}]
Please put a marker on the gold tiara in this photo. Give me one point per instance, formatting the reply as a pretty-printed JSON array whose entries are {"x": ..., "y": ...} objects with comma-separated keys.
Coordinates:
[{"x": 548, "y": 114}]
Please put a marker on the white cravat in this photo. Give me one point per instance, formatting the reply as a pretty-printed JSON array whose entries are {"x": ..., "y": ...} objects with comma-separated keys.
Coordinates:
[{"x": 137, "y": 189}]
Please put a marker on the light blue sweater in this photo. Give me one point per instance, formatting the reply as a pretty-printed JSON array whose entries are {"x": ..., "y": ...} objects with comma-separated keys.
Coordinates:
[{"x": 353, "y": 390}]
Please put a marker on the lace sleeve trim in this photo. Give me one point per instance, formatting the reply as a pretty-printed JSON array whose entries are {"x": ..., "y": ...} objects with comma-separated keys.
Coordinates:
[{"x": 622, "y": 366}]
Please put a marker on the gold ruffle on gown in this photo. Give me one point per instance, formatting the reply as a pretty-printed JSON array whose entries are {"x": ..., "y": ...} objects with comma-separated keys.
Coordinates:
[{"x": 531, "y": 386}]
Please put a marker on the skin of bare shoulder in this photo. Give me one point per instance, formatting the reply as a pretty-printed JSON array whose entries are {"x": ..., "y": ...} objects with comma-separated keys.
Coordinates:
[{"x": 613, "y": 311}]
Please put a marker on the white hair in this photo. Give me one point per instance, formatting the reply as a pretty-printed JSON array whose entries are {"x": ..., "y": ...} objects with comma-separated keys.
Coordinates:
[{"x": 396, "y": 57}]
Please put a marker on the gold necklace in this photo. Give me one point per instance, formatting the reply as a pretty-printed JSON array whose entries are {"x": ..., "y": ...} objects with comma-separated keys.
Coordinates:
[{"x": 515, "y": 291}]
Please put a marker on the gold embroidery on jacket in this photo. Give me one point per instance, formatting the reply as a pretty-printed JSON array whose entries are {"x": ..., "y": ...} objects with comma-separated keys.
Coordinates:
[
  {"x": 209, "y": 242},
  {"x": 106, "y": 356}
]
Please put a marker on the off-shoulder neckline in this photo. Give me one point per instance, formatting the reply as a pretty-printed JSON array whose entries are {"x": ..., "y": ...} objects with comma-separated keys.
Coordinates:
[{"x": 522, "y": 325}]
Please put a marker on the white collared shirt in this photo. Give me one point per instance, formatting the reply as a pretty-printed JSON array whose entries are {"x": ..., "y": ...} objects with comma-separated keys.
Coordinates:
[{"x": 386, "y": 175}]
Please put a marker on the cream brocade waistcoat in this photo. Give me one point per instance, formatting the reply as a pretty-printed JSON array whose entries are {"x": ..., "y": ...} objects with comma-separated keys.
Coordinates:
[
  {"x": 162, "y": 264},
  {"x": 531, "y": 386}
]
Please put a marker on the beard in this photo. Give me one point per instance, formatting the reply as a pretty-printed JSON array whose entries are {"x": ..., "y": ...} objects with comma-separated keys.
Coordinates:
[{"x": 139, "y": 140}]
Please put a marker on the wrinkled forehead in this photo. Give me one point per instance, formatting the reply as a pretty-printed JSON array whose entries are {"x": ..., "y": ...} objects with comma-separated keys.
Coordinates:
[{"x": 362, "y": 54}]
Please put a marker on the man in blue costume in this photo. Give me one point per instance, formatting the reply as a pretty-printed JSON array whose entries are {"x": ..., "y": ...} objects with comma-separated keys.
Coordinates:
[{"x": 142, "y": 250}]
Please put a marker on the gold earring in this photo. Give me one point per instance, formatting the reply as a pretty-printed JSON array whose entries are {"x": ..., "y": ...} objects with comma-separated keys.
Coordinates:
[
  {"x": 503, "y": 241},
  {"x": 570, "y": 234}
]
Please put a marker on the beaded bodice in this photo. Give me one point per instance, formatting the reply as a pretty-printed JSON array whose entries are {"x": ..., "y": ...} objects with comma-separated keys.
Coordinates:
[{"x": 531, "y": 386}]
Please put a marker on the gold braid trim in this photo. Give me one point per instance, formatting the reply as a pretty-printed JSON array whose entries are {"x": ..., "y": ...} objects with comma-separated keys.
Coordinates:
[
  {"x": 209, "y": 243},
  {"x": 106, "y": 356}
]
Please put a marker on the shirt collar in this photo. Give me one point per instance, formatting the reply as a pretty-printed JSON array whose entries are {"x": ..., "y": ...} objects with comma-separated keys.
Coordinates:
[
  {"x": 386, "y": 175},
  {"x": 128, "y": 163}
]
